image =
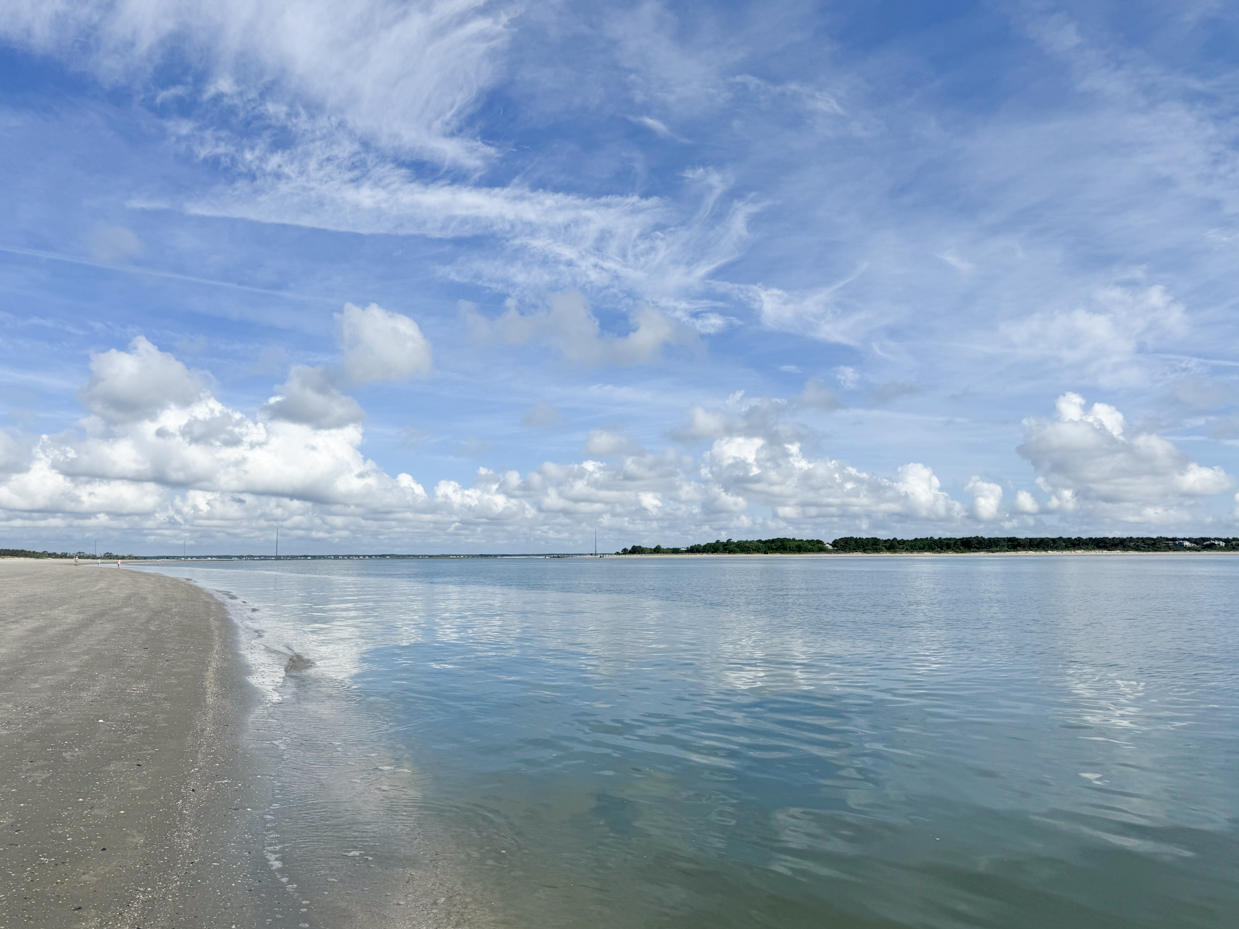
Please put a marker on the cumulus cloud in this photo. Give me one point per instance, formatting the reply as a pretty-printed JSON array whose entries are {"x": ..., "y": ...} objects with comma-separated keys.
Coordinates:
[
  {"x": 986, "y": 499},
  {"x": 190, "y": 460},
  {"x": 381, "y": 346},
  {"x": 44, "y": 490},
  {"x": 799, "y": 487},
  {"x": 311, "y": 396},
  {"x": 1090, "y": 461},
  {"x": 377, "y": 346},
  {"x": 757, "y": 456},
  {"x": 1026, "y": 504},
  {"x": 570, "y": 326},
  {"x": 137, "y": 384},
  {"x": 142, "y": 464},
  {"x": 762, "y": 419}
]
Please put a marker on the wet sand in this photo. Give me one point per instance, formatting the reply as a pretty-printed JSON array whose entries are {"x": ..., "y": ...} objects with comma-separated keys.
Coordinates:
[{"x": 124, "y": 800}]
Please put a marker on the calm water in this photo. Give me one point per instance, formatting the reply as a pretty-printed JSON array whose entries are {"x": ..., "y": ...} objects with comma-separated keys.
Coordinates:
[{"x": 827, "y": 742}]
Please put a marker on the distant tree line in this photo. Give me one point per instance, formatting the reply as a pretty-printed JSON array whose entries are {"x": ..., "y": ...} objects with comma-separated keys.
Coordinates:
[
  {"x": 733, "y": 547},
  {"x": 1034, "y": 544},
  {"x": 976, "y": 543},
  {"x": 25, "y": 553}
]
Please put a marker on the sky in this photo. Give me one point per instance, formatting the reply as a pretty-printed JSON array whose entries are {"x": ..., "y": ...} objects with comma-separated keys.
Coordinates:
[{"x": 461, "y": 276}]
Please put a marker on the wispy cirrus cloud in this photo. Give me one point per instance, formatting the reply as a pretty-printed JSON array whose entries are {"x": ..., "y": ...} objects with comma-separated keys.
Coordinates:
[{"x": 404, "y": 76}]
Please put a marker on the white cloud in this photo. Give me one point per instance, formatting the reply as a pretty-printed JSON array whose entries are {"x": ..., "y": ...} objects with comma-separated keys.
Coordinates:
[
  {"x": 986, "y": 499},
  {"x": 797, "y": 487},
  {"x": 377, "y": 346},
  {"x": 381, "y": 346},
  {"x": 620, "y": 246},
  {"x": 1090, "y": 463},
  {"x": 312, "y": 111},
  {"x": 655, "y": 126},
  {"x": 758, "y": 457},
  {"x": 1025, "y": 503},
  {"x": 132, "y": 385},
  {"x": 311, "y": 396},
  {"x": 819, "y": 314},
  {"x": 762, "y": 419},
  {"x": 43, "y": 489},
  {"x": 568, "y": 325},
  {"x": 603, "y": 444},
  {"x": 305, "y": 447},
  {"x": 189, "y": 460},
  {"x": 812, "y": 99},
  {"x": 401, "y": 75},
  {"x": 1103, "y": 338}
]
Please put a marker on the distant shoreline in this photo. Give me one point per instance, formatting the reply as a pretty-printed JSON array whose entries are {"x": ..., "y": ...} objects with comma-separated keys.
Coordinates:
[
  {"x": 1007, "y": 554},
  {"x": 679, "y": 555}
]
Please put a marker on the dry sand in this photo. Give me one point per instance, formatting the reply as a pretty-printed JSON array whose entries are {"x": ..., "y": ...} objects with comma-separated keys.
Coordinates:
[{"x": 123, "y": 800}]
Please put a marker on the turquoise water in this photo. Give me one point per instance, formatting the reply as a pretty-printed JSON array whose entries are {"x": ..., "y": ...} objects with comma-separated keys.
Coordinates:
[{"x": 717, "y": 742}]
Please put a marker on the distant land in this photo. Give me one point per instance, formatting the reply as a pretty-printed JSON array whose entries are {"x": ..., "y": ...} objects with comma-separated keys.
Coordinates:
[
  {"x": 733, "y": 547},
  {"x": 856, "y": 545},
  {"x": 25, "y": 553},
  {"x": 846, "y": 545}
]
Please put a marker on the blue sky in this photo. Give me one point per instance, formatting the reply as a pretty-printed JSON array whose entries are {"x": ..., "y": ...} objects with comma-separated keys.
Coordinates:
[{"x": 466, "y": 276}]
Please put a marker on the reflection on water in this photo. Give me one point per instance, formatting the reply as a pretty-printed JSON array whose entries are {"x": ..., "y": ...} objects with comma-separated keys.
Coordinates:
[{"x": 753, "y": 742}]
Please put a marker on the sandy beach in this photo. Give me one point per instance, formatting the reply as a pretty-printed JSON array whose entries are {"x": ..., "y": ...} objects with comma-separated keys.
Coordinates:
[{"x": 124, "y": 803}]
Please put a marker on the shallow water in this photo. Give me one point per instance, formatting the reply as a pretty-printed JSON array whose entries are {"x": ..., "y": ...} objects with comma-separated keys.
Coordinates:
[{"x": 955, "y": 741}]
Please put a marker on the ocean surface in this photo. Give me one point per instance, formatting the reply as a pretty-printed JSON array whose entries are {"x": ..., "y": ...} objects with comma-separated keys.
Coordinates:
[{"x": 749, "y": 742}]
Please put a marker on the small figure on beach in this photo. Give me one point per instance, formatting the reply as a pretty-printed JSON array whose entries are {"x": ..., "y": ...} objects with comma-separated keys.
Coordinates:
[{"x": 75, "y": 561}]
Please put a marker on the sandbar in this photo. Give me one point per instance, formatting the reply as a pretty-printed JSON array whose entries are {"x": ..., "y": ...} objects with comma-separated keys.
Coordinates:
[{"x": 124, "y": 800}]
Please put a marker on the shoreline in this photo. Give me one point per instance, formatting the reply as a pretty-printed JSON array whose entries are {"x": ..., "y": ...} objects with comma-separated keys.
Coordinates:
[
  {"x": 329, "y": 857},
  {"x": 130, "y": 799},
  {"x": 1039, "y": 554}
]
